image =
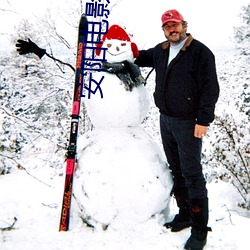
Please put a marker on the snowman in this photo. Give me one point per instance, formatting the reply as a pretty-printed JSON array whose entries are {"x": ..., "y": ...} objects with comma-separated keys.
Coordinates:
[{"x": 122, "y": 178}]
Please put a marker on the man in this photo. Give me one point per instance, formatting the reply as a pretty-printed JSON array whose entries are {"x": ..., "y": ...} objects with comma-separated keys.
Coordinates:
[{"x": 186, "y": 93}]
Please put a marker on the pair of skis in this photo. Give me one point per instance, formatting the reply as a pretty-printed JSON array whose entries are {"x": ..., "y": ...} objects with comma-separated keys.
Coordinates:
[{"x": 71, "y": 160}]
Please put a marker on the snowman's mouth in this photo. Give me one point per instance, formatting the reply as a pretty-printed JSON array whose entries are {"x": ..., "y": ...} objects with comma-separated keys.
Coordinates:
[{"x": 117, "y": 54}]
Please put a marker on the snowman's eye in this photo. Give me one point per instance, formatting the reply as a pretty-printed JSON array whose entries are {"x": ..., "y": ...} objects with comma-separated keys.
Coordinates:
[
  {"x": 123, "y": 44},
  {"x": 109, "y": 45}
]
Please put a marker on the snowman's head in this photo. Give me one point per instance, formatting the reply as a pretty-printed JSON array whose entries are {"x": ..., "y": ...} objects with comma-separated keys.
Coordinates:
[
  {"x": 118, "y": 44},
  {"x": 118, "y": 50}
]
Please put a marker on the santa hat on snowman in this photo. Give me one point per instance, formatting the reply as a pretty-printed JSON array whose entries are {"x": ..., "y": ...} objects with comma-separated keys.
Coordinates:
[
  {"x": 116, "y": 32},
  {"x": 120, "y": 56}
]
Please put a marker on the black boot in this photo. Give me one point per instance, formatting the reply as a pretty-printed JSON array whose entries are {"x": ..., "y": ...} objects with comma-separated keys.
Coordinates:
[
  {"x": 197, "y": 240},
  {"x": 182, "y": 220},
  {"x": 199, "y": 215}
]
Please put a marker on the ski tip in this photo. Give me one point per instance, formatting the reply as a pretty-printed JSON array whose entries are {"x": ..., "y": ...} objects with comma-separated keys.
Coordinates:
[
  {"x": 83, "y": 17},
  {"x": 83, "y": 22}
]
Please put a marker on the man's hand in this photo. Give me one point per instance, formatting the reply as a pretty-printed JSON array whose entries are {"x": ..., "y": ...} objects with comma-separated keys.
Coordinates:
[
  {"x": 200, "y": 131},
  {"x": 24, "y": 47}
]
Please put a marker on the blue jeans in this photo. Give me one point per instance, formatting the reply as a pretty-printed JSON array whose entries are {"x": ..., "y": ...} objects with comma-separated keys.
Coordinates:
[{"x": 183, "y": 152}]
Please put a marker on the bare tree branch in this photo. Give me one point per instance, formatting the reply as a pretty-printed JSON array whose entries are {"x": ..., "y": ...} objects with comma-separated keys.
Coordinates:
[
  {"x": 19, "y": 166},
  {"x": 10, "y": 227}
]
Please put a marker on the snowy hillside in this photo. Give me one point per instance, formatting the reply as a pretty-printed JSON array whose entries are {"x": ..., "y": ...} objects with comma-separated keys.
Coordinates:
[{"x": 36, "y": 207}]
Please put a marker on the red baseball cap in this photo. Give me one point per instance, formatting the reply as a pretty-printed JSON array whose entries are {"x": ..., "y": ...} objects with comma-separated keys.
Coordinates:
[{"x": 171, "y": 16}]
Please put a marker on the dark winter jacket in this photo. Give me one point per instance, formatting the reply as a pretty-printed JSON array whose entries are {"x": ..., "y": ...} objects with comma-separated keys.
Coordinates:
[{"x": 188, "y": 87}]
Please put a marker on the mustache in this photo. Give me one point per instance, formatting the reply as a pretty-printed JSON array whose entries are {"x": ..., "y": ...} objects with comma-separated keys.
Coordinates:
[{"x": 173, "y": 32}]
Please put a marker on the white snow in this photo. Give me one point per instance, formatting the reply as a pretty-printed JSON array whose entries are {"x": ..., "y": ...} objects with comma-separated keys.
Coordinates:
[{"x": 37, "y": 208}]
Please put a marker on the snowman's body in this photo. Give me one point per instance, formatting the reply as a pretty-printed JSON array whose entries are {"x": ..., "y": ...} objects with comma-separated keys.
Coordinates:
[
  {"x": 118, "y": 107},
  {"x": 122, "y": 176}
]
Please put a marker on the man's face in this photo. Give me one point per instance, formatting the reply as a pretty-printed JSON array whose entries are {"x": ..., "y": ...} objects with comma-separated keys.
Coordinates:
[{"x": 174, "y": 32}]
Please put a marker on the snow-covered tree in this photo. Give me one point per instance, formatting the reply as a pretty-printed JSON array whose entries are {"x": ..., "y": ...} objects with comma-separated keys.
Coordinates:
[
  {"x": 35, "y": 103},
  {"x": 230, "y": 154},
  {"x": 242, "y": 33}
]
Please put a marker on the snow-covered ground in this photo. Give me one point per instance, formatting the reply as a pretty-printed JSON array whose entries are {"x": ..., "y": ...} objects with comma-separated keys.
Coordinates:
[{"x": 37, "y": 208}]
